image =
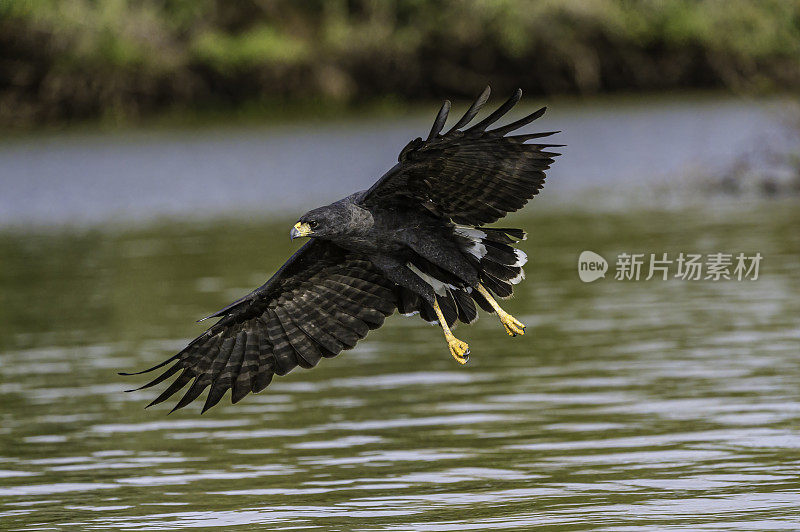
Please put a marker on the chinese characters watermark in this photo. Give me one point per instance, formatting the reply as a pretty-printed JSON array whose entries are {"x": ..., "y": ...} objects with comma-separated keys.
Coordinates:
[{"x": 663, "y": 266}]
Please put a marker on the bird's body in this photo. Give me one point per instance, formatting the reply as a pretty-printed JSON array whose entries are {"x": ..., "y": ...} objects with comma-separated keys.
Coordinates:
[
  {"x": 394, "y": 238},
  {"x": 414, "y": 242}
]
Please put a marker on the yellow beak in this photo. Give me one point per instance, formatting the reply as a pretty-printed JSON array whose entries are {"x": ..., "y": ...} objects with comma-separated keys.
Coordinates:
[{"x": 300, "y": 229}]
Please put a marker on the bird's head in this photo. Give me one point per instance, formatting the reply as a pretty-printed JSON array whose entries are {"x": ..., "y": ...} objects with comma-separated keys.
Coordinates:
[{"x": 318, "y": 223}]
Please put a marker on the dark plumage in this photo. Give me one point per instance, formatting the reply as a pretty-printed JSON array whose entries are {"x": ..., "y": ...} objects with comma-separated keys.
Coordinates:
[{"x": 413, "y": 242}]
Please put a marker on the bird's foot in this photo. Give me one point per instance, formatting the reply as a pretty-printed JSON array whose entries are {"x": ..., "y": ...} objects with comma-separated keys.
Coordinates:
[
  {"x": 459, "y": 349},
  {"x": 513, "y": 325}
]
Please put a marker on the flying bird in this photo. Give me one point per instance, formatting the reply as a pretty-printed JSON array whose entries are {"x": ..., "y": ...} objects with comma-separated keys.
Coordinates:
[{"x": 415, "y": 242}]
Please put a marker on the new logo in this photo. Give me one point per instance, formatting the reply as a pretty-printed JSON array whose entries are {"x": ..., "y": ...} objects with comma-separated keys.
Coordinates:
[{"x": 591, "y": 266}]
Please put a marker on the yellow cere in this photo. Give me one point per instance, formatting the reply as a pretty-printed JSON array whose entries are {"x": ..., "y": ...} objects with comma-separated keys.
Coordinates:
[{"x": 303, "y": 229}]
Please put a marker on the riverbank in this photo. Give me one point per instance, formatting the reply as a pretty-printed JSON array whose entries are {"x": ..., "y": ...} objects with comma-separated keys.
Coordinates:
[{"x": 72, "y": 60}]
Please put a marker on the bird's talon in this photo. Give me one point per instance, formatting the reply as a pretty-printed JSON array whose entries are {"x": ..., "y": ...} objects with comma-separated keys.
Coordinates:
[
  {"x": 459, "y": 349},
  {"x": 513, "y": 326}
]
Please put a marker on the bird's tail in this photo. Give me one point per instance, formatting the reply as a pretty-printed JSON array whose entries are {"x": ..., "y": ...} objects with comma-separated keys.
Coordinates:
[
  {"x": 498, "y": 262},
  {"x": 499, "y": 266}
]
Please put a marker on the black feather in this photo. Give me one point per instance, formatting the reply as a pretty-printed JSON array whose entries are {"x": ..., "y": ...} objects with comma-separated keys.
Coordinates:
[
  {"x": 285, "y": 358},
  {"x": 519, "y": 123},
  {"x": 266, "y": 364},
  {"x": 467, "y": 313},
  {"x": 307, "y": 351},
  {"x": 441, "y": 118},
  {"x": 499, "y": 253},
  {"x": 498, "y": 113},
  {"x": 244, "y": 380},
  {"x": 449, "y": 309},
  {"x": 427, "y": 313},
  {"x": 208, "y": 370},
  {"x": 504, "y": 235},
  {"x": 473, "y": 110},
  {"x": 500, "y": 271},
  {"x": 481, "y": 301},
  {"x": 176, "y": 385},
  {"x": 531, "y": 136},
  {"x": 407, "y": 301},
  {"x": 499, "y": 288}
]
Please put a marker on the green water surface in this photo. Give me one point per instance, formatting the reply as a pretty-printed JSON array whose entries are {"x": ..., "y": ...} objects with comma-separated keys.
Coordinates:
[{"x": 649, "y": 405}]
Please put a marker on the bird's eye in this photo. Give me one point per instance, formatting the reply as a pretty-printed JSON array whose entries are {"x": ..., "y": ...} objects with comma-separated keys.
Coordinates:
[{"x": 313, "y": 225}]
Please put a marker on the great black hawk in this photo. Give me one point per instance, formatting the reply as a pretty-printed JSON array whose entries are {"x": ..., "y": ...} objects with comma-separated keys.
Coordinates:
[{"x": 414, "y": 242}]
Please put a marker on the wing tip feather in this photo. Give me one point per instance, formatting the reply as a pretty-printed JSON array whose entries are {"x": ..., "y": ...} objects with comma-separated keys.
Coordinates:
[
  {"x": 440, "y": 120},
  {"x": 476, "y": 106},
  {"x": 498, "y": 113}
]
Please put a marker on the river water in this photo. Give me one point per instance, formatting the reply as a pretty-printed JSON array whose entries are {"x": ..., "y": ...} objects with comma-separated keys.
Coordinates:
[
  {"x": 628, "y": 405},
  {"x": 91, "y": 178}
]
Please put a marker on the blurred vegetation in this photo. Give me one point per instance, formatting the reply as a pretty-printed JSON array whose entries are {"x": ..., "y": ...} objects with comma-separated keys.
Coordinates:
[{"x": 65, "y": 60}]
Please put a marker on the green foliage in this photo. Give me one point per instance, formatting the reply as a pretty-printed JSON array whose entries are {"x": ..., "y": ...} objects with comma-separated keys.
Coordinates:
[
  {"x": 74, "y": 59},
  {"x": 259, "y": 46}
]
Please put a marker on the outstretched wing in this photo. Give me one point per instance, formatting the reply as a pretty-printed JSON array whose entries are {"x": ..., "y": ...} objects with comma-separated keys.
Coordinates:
[
  {"x": 323, "y": 300},
  {"x": 472, "y": 176}
]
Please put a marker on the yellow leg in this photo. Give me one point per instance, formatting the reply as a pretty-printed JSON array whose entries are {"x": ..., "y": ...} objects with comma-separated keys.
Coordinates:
[
  {"x": 459, "y": 349},
  {"x": 513, "y": 325}
]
